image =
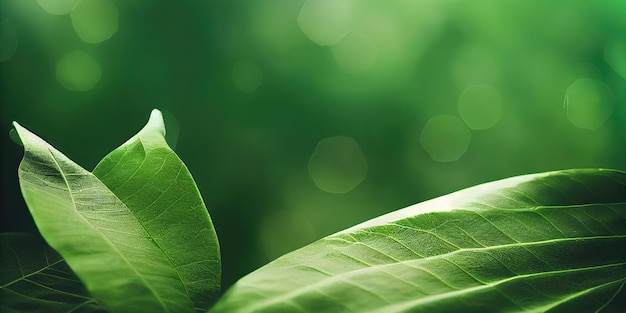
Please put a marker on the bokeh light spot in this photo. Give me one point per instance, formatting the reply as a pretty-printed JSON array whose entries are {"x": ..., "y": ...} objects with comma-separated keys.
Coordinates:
[
  {"x": 283, "y": 232},
  {"x": 247, "y": 76},
  {"x": 78, "y": 71},
  {"x": 588, "y": 103},
  {"x": 8, "y": 44},
  {"x": 95, "y": 20},
  {"x": 355, "y": 53},
  {"x": 58, "y": 7},
  {"x": 480, "y": 106},
  {"x": 337, "y": 164},
  {"x": 325, "y": 22},
  {"x": 615, "y": 55},
  {"x": 445, "y": 138}
]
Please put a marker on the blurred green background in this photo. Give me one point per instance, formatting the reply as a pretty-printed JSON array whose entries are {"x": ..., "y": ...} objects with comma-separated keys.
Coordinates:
[{"x": 301, "y": 118}]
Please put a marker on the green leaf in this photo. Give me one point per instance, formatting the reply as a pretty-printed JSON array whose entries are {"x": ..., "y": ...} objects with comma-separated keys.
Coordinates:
[
  {"x": 157, "y": 186},
  {"x": 551, "y": 242},
  {"x": 36, "y": 279},
  {"x": 133, "y": 252}
]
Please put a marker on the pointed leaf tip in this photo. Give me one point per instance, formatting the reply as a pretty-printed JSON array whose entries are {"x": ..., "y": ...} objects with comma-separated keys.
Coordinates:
[
  {"x": 24, "y": 137},
  {"x": 155, "y": 122},
  {"x": 15, "y": 137}
]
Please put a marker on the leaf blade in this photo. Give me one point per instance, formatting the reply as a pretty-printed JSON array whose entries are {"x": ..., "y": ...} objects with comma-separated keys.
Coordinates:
[
  {"x": 191, "y": 245},
  {"x": 35, "y": 278},
  {"x": 91, "y": 228},
  {"x": 519, "y": 244}
]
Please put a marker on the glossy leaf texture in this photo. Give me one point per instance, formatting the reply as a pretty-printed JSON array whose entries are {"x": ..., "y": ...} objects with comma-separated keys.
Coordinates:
[
  {"x": 36, "y": 279},
  {"x": 128, "y": 256},
  {"x": 550, "y": 242}
]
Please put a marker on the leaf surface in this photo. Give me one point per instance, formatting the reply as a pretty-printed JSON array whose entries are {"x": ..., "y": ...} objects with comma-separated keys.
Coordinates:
[
  {"x": 128, "y": 256},
  {"x": 550, "y": 242},
  {"x": 36, "y": 279},
  {"x": 157, "y": 186}
]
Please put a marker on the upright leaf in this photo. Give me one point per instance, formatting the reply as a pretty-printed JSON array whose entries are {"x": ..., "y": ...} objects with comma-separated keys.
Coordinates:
[
  {"x": 551, "y": 242},
  {"x": 158, "y": 188},
  {"x": 36, "y": 279},
  {"x": 128, "y": 257}
]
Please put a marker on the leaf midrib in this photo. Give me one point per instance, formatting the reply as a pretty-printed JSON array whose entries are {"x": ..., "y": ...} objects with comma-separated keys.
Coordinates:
[
  {"x": 88, "y": 300},
  {"x": 48, "y": 265},
  {"x": 23, "y": 277},
  {"x": 107, "y": 240},
  {"x": 377, "y": 267},
  {"x": 156, "y": 242},
  {"x": 455, "y": 293}
]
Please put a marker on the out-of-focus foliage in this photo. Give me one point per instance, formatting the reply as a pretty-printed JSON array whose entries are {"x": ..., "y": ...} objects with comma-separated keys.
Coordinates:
[{"x": 428, "y": 96}]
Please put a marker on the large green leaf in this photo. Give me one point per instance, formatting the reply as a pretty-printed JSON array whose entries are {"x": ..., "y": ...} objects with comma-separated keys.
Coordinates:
[
  {"x": 36, "y": 279},
  {"x": 551, "y": 242},
  {"x": 133, "y": 252},
  {"x": 157, "y": 186}
]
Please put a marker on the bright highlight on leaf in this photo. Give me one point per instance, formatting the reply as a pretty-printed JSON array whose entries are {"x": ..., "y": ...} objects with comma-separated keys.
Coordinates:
[
  {"x": 551, "y": 242},
  {"x": 589, "y": 103},
  {"x": 337, "y": 165},
  {"x": 8, "y": 39},
  {"x": 78, "y": 71},
  {"x": 135, "y": 231},
  {"x": 95, "y": 20},
  {"x": 445, "y": 138}
]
